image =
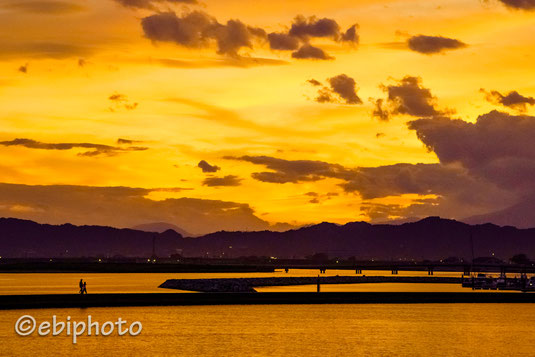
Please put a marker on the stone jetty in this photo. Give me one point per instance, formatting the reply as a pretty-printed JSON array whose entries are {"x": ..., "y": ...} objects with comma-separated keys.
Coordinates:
[{"x": 248, "y": 284}]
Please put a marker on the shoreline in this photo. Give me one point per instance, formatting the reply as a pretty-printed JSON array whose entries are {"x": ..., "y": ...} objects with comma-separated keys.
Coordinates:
[{"x": 8, "y": 302}]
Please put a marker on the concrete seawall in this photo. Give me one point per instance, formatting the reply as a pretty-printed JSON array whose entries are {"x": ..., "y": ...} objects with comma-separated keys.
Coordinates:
[{"x": 123, "y": 300}]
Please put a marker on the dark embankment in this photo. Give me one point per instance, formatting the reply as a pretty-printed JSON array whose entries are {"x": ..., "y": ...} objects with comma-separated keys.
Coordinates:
[{"x": 116, "y": 300}]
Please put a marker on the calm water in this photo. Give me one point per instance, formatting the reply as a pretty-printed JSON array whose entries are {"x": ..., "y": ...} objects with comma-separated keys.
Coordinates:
[
  {"x": 299, "y": 330},
  {"x": 67, "y": 283}
]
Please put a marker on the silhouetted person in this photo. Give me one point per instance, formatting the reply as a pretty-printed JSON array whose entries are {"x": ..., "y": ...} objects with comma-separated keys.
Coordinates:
[
  {"x": 81, "y": 285},
  {"x": 84, "y": 288}
]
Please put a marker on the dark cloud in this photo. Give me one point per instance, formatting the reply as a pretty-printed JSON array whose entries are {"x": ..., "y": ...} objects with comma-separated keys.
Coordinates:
[
  {"x": 399, "y": 179},
  {"x": 369, "y": 182},
  {"x": 314, "y": 82},
  {"x": 512, "y": 99},
  {"x": 498, "y": 147},
  {"x": 381, "y": 213},
  {"x": 95, "y": 149},
  {"x": 351, "y": 34},
  {"x": 229, "y": 180},
  {"x": 44, "y": 7},
  {"x": 23, "y": 68},
  {"x": 285, "y": 171},
  {"x": 305, "y": 28},
  {"x": 313, "y": 27},
  {"x": 206, "y": 167},
  {"x": 59, "y": 204},
  {"x": 197, "y": 29},
  {"x": 433, "y": 44},
  {"x": 406, "y": 97},
  {"x": 519, "y": 4},
  {"x": 311, "y": 52},
  {"x": 120, "y": 101},
  {"x": 283, "y": 41},
  {"x": 460, "y": 194},
  {"x": 318, "y": 198},
  {"x": 150, "y": 4},
  {"x": 122, "y": 141},
  {"x": 342, "y": 88},
  {"x": 379, "y": 111},
  {"x": 346, "y": 88}
]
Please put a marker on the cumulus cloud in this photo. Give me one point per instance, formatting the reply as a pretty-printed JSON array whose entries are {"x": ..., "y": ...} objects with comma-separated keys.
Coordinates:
[
  {"x": 351, "y": 34},
  {"x": 498, "y": 147},
  {"x": 311, "y": 52},
  {"x": 283, "y": 41},
  {"x": 430, "y": 45},
  {"x": 305, "y": 28},
  {"x": 229, "y": 180},
  {"x": 519, "y": 4},
  {"x": 346, "y": 88},
  {"x": 121, "y": 101},
  {"x": 95, "y": 149},
  {"x": 313, "y": 27},
  {"x": 206, "y": 167},
  {"x": 512, "y": 99},
  {"x": 59, "y": 204},
  {"x": 406, "y": 97},
  {"x": 379, "y": 110},
  {"x": 341, "y": 88},
  {"x": 197, "y": 29}
]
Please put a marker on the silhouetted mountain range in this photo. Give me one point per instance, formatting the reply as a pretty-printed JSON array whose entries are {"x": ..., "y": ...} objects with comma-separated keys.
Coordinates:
[
  {"x": 431, "y": 238},
  {"x": 161, "y": 227},
  {"x": 521, "y": 215},
  {"x": 22, "y": 238}
]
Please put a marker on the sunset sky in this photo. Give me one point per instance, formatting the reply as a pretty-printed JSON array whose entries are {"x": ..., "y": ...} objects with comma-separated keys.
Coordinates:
[{"x": 243, "y": 114}]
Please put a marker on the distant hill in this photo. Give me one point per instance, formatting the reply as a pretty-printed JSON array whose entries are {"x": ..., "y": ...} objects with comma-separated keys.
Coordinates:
[
  {"x": 161, "y": 227},
  {"x": 521, "y": 215},
  {"x": 431, "y": 238},
  {"x": 22, "y": 238}
]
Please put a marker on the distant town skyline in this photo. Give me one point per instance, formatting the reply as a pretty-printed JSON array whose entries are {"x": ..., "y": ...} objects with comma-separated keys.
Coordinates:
[{"x": 266, "y": 115}]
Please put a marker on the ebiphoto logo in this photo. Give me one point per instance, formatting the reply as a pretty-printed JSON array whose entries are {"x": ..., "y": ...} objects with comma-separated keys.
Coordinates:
[{"x": 26, "y": 325}]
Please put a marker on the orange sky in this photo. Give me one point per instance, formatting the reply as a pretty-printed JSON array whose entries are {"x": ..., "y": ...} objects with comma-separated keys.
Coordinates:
[{"x": 59, "y": 65}]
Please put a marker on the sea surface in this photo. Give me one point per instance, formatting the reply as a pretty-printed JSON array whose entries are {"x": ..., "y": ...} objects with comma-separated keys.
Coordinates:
[
  {"x": 67, "y": 283},
  {"x": 289, "y": 330}
]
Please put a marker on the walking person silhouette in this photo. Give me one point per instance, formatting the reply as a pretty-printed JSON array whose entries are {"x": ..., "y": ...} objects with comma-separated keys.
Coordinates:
[
  {"x": 84, "y": 288},
  {"x": 81, "y": 285}
]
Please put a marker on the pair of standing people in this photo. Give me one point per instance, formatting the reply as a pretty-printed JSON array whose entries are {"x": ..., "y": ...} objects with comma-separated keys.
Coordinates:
[{"x": 83, "y": 286}]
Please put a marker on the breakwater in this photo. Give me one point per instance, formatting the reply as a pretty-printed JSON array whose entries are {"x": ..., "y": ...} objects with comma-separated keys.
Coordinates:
[
  {"x": 248, "y": 284},
  {"x": 123, "y": 300}
]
